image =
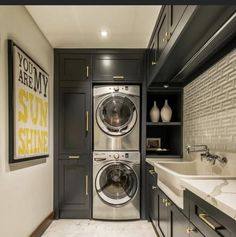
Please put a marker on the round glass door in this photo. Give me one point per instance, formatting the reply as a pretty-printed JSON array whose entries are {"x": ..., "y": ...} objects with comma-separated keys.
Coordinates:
[
  {"x": 116, "y": 115},
  {"x": 116, "y": 183}
]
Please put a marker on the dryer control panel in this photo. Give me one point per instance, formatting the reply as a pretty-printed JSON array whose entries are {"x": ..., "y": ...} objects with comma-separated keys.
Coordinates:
[{"x": 107, "y": 156}]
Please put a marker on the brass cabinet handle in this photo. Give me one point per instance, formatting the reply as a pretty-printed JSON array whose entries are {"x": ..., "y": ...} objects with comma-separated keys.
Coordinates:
[
  {"x": 168, "y": 203},
  {"x": 87, "y": 72},
  {"x": 189, "y": 230},
  {"x": 164, "y": 200},
  {"x": 87, "y": 121},
  {"x": 204, "y": 216},
  {"x": 163, "y": 40},
  {"x": 118, "y": 77},
  {"x": 74, "y": 157},
  {"x": 166, "y": 34},
  {"x": 152, "y": 172},
  {"x": 86, "y": 185},
  {"x": 153, "y": 63},
  {"x": 154, "y": 187}
]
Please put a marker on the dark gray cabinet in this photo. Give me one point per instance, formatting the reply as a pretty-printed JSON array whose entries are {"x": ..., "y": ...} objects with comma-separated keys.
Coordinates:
[
  {"x": 209, "y": 220},
  {"x": 164, "y": 214},
  {"x": 118, "y": 67},
  {"x": 72, "y": 134},
  {"x": 175, "y": 14},
  {"x": 162, "y": 31},
  {"x": 75, "y": 67},
  {"x": 153, "y": 209},
  {"x": 74, "y": 188},
  {"x": 168, "y": 220},
  {"x": 180, "y": 225},
  {"x": 74, "y": 120},
  {"x": 152, "y": 55},
  {"x": 189, "y": 38}
]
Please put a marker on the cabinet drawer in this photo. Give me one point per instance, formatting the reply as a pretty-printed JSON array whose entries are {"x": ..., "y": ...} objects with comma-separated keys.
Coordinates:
[
  {"x": 121, "y": 67},
  {"x": 209, "y": 220}
]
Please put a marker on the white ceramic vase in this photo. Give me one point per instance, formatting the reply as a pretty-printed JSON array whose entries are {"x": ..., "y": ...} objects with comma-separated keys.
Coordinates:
[
  {"x": 166, "y": 112},
  {"x": 155, "y": 113}
]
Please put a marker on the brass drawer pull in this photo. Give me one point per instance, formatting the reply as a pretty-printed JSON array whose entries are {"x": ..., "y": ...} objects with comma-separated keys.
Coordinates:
[
  {"x": 152, "y": 172},
  {"x": 87, "y": 121},
  {"x": 205, "y": 218},
  {"x": 87, "y": 72},
  {"x": 154, "y": 187},
  {"x": 153, "y": 63},
  {"x": 86, "y": 185},
  {"x": 73, "y": 157},
  {"x": 118, "y": 77}
]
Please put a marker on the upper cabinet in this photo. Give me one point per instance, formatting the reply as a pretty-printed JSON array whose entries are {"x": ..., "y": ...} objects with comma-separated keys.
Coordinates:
[
  {"x": 185, "y": 38},
  {"x": 118, "y": 66},
  {"x": 175, "y": 14},
  {"x": 75, "y": 67}
]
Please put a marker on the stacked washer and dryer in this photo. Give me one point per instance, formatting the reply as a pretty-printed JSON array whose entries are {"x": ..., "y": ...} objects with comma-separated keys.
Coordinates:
[{"x": 116, "y": 156}]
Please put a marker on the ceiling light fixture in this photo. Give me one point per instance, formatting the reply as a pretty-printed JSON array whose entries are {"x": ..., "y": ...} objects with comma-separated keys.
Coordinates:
[{"x": 104, "y": 34}]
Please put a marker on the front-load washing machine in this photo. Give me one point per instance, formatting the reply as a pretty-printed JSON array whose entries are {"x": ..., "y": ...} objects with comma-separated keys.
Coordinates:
[
  {"x": 116, "y": 117},
  {"x": 116, "y": 194}
]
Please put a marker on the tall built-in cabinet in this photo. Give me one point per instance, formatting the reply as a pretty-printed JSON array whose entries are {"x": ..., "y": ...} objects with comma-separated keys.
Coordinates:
[
  {"x": 76, "y": 71},
  {"x": 72, "y": 138}
]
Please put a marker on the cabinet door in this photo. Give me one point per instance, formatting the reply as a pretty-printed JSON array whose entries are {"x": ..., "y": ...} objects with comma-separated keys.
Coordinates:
[
  {"x": 74, "y": 121},
  {"x": 175, "y": 14},
  {"x": 117, "y": 67},
  {"x": 162, "y": 31},
  {"x": 73, "y": 189},
  {"x": 194, "y": 232},
  {"x": 75, "y": 67},
  {"x": 164, "y": 214},
  {"x": 179, "y": 225},
  {"x": 152, "y": 55},
  {"x": 153, "y": 196}
]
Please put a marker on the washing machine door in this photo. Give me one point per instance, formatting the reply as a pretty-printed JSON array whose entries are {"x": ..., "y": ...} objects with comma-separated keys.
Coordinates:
[
  {"x": 116, "y": 114},
  {"x": 116, "y": 183}
]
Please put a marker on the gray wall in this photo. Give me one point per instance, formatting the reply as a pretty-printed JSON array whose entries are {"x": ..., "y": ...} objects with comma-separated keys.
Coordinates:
[{"x": 26, "y": 189}]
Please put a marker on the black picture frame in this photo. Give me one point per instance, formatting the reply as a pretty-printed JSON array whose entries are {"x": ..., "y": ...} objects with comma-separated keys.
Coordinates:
[{"x": 11, "y": 109}]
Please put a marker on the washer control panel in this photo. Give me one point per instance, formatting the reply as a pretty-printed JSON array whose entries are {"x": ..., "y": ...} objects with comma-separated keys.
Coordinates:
[{"x": 107, "y": 156}]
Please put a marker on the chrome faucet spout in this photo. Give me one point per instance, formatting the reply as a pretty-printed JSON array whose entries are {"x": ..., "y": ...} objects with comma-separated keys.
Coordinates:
[{"x": 201, "y": 148}]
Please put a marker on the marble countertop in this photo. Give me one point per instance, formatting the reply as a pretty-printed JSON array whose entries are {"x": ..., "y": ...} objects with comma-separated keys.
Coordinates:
[{"x": 221, "y": 193}]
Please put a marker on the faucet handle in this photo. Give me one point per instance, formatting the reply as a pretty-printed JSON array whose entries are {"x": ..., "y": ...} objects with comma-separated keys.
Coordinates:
[{"x": 188, "y": 148}]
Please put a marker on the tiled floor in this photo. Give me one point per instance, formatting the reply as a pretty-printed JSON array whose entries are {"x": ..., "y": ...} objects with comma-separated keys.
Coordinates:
[{"x": 92, "y": 228}]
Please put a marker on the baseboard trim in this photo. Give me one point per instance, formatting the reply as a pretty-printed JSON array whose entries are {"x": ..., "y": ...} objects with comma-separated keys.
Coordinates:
[{"x": 38, "y": 232}]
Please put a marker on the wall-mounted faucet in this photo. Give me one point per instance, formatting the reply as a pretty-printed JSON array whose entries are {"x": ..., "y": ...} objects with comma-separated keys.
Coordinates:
[{"x": 206, "y": 154}]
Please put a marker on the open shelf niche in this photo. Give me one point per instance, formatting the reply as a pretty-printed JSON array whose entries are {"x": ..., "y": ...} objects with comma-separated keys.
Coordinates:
[{"x": 169, "y": 133}]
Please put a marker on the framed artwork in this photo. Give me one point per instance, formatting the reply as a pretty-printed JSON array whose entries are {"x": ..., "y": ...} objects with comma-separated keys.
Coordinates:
[
  {"x": 153, "y": 144},
  {"x": 28, "y": 107}
]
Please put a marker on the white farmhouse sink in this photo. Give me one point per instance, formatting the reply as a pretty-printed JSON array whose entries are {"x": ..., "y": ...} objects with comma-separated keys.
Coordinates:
[{"x": 170, "y": 175}]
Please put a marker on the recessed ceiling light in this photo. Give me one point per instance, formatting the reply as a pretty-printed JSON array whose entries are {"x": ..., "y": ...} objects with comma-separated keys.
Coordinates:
[{"x": 104, "y": 34}]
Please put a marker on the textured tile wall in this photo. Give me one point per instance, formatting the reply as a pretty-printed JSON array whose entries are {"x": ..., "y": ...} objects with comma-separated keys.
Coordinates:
[{"x": 210, "y": 107}]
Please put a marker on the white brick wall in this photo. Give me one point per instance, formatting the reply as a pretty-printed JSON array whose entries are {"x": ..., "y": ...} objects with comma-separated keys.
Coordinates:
[{"x": 210, "y": 107}]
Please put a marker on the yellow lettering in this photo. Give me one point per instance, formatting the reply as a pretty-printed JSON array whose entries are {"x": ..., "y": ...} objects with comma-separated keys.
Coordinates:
[
  {"x": 21, "y": 147},
  {"x": 23, "y": 115},
  {"x": 43, "y": 113},
  {"x": 33, "y": 107}
]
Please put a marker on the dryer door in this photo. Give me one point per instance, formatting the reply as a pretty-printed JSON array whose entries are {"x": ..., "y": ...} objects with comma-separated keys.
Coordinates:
[
  {"x": 116, "y": 115},
  {"x": 116, "y": 183}
]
